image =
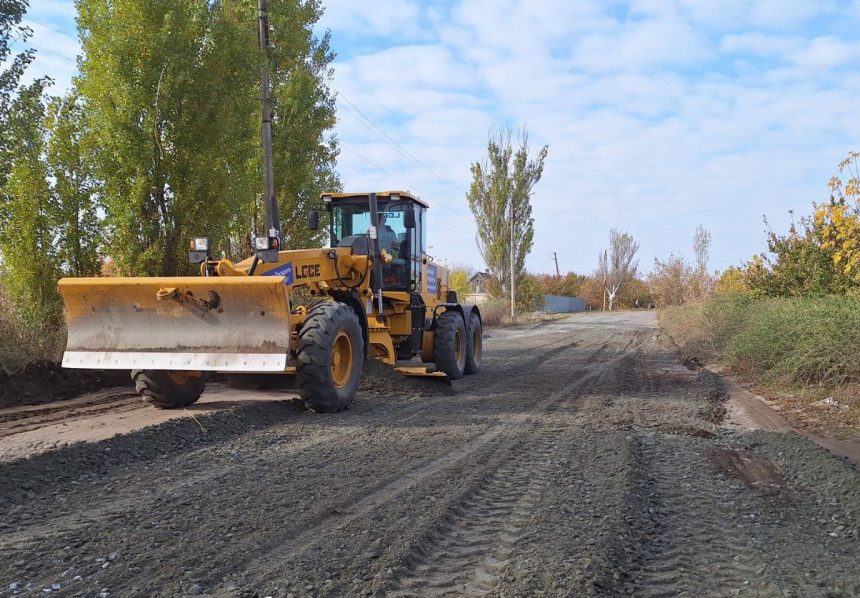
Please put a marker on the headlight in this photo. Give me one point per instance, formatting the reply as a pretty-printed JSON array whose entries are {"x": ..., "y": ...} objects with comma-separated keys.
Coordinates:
[
  {"x": 200, "y": 244},
  {"x": 261, "y": 243}
]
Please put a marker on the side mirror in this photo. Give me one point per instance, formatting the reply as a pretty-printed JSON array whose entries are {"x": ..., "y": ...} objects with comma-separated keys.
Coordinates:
[
  {"x": 313, "y": 219},
  {"x": 409, "y": 217}
]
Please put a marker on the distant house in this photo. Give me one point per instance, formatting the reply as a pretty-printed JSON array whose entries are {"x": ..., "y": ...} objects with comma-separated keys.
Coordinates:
[{"x": 479, "y": 288}]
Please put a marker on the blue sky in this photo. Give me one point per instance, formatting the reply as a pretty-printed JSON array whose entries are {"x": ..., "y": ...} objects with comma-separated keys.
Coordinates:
[{"x": 660, "y": 115}]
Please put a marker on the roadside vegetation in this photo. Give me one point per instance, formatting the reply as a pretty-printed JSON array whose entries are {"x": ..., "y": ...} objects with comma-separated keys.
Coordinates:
[
  {"x": 789, "y": 319},
  {"x": 156, "y": 142}
]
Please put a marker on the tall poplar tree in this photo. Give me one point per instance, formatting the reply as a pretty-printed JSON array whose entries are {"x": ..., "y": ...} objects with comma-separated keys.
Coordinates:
[
  {"x": 502, "y": 186},
  {"x": 172, "y": 97}
]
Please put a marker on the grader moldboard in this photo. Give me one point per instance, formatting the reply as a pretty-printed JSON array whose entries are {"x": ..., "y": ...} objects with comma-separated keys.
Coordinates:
[{"x": 375, "y": 294}]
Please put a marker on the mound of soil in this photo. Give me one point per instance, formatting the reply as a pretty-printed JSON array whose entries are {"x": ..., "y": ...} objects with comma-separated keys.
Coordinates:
[
  {"x": 381, "y": 380},
  {"x": 47, "y": 381}
]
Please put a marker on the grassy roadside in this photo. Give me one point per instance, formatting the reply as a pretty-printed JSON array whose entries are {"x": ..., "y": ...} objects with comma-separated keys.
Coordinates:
[{"x": 804, "y": 353}]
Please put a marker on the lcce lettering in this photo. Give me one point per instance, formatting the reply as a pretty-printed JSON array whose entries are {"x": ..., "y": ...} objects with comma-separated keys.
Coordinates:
[{"x": 308, "y": 271}]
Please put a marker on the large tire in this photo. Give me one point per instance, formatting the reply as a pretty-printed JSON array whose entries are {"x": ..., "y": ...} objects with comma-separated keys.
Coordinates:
[
  {"x": 330, "y": 357},
  {"x": 169, "y": 390},
  {"x": 449, "y": 345},
  {"x": 474, "y": 337}
]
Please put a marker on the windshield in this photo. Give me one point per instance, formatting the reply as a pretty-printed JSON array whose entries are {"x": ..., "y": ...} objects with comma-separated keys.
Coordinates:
[{"x": 353, "y": 220}]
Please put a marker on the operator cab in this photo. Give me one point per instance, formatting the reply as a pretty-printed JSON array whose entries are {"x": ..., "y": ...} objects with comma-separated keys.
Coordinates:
[{"x": 350, "y": 221}]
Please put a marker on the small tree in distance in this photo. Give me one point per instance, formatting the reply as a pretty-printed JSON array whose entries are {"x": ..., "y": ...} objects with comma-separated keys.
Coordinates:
[{"x": 617, "y": 267}]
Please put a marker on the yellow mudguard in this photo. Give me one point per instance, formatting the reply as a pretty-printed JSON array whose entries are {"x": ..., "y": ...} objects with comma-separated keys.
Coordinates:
[{"x": 227, "y": 324}]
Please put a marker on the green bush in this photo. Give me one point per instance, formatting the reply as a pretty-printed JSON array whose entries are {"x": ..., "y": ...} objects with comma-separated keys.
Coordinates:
[{"x": 807, "y": 340}]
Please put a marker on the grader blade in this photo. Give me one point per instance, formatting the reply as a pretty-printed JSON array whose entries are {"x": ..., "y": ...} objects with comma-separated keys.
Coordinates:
[
  {"x": 225, "y": 324},
  {"x": 423, "y": 372}
]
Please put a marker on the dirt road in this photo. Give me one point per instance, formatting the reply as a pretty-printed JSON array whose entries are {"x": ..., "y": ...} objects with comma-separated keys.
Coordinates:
[{"x": 583, "y": 461}]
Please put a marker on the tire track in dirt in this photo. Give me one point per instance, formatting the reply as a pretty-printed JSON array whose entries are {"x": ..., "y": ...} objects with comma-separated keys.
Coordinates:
[
  {"x": 471, "y": 551},
  {"x": 117, "y": 401},
  {"x": 504, "y": 428},
  {"x": 698, "y": 540},
  {"x": 23, "y": 419}
]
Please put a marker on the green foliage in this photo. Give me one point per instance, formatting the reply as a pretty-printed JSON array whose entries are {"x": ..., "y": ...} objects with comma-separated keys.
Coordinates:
[
  {"x": 75, "y": 190},
  {"x": 502, "y": 184},
  {"x": 304, "y": 104},
  {"x": 798, "y": 265},
  {"x": 27, "y": 214},
  {"x": 569, "y": 285},
  {"x": 529, "y": 293},
  {"x": 173, "y": 115},
  {"x": 806, "y": 340},
  {"x": 13, "y": 66},
  {"x": 821, "y": 254}
]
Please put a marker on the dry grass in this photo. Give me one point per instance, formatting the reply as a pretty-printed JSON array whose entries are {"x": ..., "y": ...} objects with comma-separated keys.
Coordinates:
[
  {"x": 805, "y": 348},
  {"x": 22, "y": 343},
  {"x": 496, "y": 313}
]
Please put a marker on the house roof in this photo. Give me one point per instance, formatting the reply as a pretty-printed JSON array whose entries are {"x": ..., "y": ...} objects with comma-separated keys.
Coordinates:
[{"x": 482, "y": 276}]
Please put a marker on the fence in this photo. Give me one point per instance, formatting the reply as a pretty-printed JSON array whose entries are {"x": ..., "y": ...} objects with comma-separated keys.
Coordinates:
[{"x": 559, "y": 304}]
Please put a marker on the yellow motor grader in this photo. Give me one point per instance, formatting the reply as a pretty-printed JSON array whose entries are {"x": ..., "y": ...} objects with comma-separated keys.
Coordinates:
[{"x": 374, "y": 293}]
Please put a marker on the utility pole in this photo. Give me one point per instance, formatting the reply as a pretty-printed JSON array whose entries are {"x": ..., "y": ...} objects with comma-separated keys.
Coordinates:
[
  {"x": 513, "y": 275},
  {"x": 557, "y": 271},
  {"x": 273, "y": 218}
]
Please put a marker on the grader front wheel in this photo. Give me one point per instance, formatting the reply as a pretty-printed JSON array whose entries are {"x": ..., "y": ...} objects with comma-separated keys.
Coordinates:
[
  {"x": 450, "y": 345},
  {"x": 330, "y": 357},
  {"x": 169, "y": 389},
  {"x": 475, "y": 333}
]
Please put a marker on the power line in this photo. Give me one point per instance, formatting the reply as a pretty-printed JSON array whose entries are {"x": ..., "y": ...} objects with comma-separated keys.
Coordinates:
[
  {"x": 375, "y": 165},
  {"x": 394, "y": 144},
  {"x": 374, "y": 128},
  {"x": 395, "y": 177},
  {"x": 380, "y": 132},
  {"x": 65, "y": 56},
  {"x": 52, "y": 28}
]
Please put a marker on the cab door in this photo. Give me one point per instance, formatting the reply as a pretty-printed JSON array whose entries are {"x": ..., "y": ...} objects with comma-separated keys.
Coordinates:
[{"x": 417, "y": 247}]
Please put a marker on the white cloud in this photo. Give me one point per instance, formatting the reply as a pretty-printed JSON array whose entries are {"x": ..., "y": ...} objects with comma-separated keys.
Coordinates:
[
  {"x": 396, "y": 19},
  {"x": 642, "y": 45},
  {"x": 760, "y": 44},
  {"x": 765, "y": 14},
  {"x": 649, "y": 127},
  {"x": 828, "y": 53}
]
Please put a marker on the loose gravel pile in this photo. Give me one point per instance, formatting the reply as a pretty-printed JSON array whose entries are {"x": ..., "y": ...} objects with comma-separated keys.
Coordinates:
[{"x": 584, "y": 460}]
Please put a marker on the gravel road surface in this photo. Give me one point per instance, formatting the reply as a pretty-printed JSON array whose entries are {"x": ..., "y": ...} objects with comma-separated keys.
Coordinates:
[{"x": 584, "y": 460}]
